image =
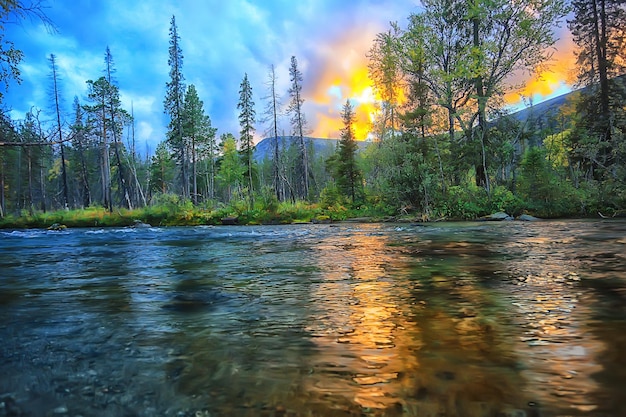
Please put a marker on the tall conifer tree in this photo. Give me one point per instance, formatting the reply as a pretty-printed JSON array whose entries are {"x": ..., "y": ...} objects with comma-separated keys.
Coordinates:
[
  {"x": 298, "y": 124},
  {"x": 174, "y": 102},
  {"x": 246, "y": 122}
]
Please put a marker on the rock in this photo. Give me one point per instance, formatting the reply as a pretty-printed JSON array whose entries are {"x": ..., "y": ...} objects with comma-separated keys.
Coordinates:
[
  {"x": 230, "y": 221},
  {"x": 528, "y": 218},
  {"x": 9, "y": 406},
  {"x": 57, "y": 227},
  {"x": 194, "y": 301},
  {"x": 499, "y": 216},
  {"x": 60, "y": 410},
  {"x": 139, "y": 224}
]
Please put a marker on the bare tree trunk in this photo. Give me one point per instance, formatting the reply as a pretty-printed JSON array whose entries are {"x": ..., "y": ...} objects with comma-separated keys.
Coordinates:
[
  {"x": 482, "y": 176},
  {"x": 60, "y": 133},
  {"x": 29, "y": 158},
  {"x": 194, "y": 171}
]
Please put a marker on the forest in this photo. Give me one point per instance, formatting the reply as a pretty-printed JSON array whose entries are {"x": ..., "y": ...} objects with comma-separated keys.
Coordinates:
[{"x": 442, "y": 145}]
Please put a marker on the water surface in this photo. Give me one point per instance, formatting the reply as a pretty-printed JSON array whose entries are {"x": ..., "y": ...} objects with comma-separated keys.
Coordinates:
[{"x": 453, "y": 319}]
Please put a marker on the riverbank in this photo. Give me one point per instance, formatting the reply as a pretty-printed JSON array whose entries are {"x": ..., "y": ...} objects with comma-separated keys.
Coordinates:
[
  {"x": 284, "y": 213},
  {"x": 184, "y": 215}
]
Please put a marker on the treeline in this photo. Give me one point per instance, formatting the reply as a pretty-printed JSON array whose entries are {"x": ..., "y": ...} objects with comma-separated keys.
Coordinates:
[{"x": 441, "y": 145}]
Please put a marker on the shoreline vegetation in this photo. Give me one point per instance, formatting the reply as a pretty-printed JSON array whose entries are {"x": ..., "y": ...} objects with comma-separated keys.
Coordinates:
[{"x": 186, "y": 214}]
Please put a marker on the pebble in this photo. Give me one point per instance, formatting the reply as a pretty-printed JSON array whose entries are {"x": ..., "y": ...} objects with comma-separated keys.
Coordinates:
[{"x": 60, "y": 410}]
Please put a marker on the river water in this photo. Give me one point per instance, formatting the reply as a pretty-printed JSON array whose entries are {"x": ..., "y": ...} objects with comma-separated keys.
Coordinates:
[{"x": 452, "y": 319}]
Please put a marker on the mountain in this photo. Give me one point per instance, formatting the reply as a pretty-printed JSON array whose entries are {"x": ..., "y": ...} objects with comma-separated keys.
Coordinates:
[
  {"x": 320, "y": 146},
  {"x": 542, "y": 114}
]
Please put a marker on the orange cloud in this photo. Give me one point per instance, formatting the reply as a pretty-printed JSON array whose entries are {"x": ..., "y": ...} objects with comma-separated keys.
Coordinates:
[
  {"x": 342, "y": 74},
  {"x": 556, "y": 78}
]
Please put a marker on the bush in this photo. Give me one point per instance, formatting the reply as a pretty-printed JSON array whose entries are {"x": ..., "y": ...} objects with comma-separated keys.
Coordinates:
[
  {"x": 465, "y": 203},
  {"x": 502, "y": 199}
]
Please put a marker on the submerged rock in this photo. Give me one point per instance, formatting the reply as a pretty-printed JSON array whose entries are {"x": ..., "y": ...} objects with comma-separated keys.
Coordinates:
[
  {"x": 139, "y": 224},
  {"x": 230, "y": 221},
  {"x": 188, "y": 302},
  {"x": 528, "y": 218},
  {"x": 499, "y": 216}
]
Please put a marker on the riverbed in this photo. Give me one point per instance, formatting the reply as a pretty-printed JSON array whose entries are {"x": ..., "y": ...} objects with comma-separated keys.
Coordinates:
[{"x": 447, "y": 319}]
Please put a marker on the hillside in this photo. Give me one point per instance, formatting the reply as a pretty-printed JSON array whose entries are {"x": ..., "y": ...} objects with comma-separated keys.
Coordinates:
[{"x": 321, "y": 146}]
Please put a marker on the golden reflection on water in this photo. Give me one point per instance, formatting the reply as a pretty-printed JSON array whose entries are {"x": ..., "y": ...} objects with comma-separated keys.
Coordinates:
[
  {"x": 381, "y": 347},
  {"x": 360, "y": 333}
]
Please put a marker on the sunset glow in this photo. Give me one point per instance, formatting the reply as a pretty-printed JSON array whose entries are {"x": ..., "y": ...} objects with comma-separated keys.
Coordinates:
[
  {"x": 344, "y": 79},
  {"x": 347, "y": 77},
  {"x": 555, "y": 79}
]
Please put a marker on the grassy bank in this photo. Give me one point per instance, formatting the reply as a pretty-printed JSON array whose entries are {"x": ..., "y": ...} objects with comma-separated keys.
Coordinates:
[
  {"x": 461, "y": 204},
  {"x": 187, "y": 215}
]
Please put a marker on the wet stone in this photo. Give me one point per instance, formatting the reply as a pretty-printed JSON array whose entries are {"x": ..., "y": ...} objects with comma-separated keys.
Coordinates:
[
  {"x": 445, "y": 375},
  {"x": 60, "y": 410}
]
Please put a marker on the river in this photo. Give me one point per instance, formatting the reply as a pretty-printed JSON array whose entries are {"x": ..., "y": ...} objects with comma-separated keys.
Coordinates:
[{"x": 448, "y": 319}]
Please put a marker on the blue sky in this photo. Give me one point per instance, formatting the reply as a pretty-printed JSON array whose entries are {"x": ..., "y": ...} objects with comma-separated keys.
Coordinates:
[{"x": 221, "y": 40}]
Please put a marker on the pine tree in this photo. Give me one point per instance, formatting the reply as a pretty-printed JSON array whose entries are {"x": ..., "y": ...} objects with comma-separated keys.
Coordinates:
[
  {"x": 78, "y": 143},
  {"x": 346, "y": 172},
  {"x": 199, "y": 133},
  {"x": 246, "y": 122},
  {"x": 99, "y": 122},
  {"x": 161, "y": 171},
  {"x": 298, "y": 124},
  {"x": 173, "y": 103},
  {"x": 118, "y": 117},
  {"x": 271, "y": 114},
  {"x": 56, "y": 97},
  {"x": 598, "y": 31}
]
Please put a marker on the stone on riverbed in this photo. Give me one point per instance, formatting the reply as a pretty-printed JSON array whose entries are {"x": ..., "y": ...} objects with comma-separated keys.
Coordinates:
[
  {"x": 528, "y": 218},
  {"x": 499, "y": 216},
  {"x": 194, "y": 301},
  {"x": 230, "y": 221},
  {"x": 139, "y": 224}
]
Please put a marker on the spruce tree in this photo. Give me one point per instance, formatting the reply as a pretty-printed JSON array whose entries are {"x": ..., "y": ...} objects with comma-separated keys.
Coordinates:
[
  {"x": 598, "y": 32},
  {"x": 298, "y": 124},
  {"x": 56, "y": 99},
  {"x": 346, "y": 172},
  {"x": 118, "y": 117},
  {"x": 198, "y": 132},
  {"x": 246, "y": 122},
  {"x": 173, "y": 103}
]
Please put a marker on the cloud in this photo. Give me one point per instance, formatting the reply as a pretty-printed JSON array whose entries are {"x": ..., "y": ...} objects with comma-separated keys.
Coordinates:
[
  {"x": 555, "y": 78},
  {"x": 221, "y": 41}
]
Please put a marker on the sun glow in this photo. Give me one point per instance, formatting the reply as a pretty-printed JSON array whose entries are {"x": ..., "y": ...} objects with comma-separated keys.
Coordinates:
[
  {"x": 356, "y": 87},
  {"x": 547, "y": 82},
  {"x": 341, "y": 79}
]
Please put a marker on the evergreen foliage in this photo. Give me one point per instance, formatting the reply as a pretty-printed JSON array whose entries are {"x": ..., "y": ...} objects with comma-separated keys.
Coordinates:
[
  {"x": 443, "y": 147},
  {"x": 247, "y": 117}
]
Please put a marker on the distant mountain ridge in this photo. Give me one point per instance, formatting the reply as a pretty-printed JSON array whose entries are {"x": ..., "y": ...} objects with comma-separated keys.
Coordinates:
[
  {"x": 321, "y": 146},
  {"x": 543, "y": 113}
]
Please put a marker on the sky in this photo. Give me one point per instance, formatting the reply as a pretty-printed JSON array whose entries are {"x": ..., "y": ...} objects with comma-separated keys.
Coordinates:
[{"x": 222, "y": 40}]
